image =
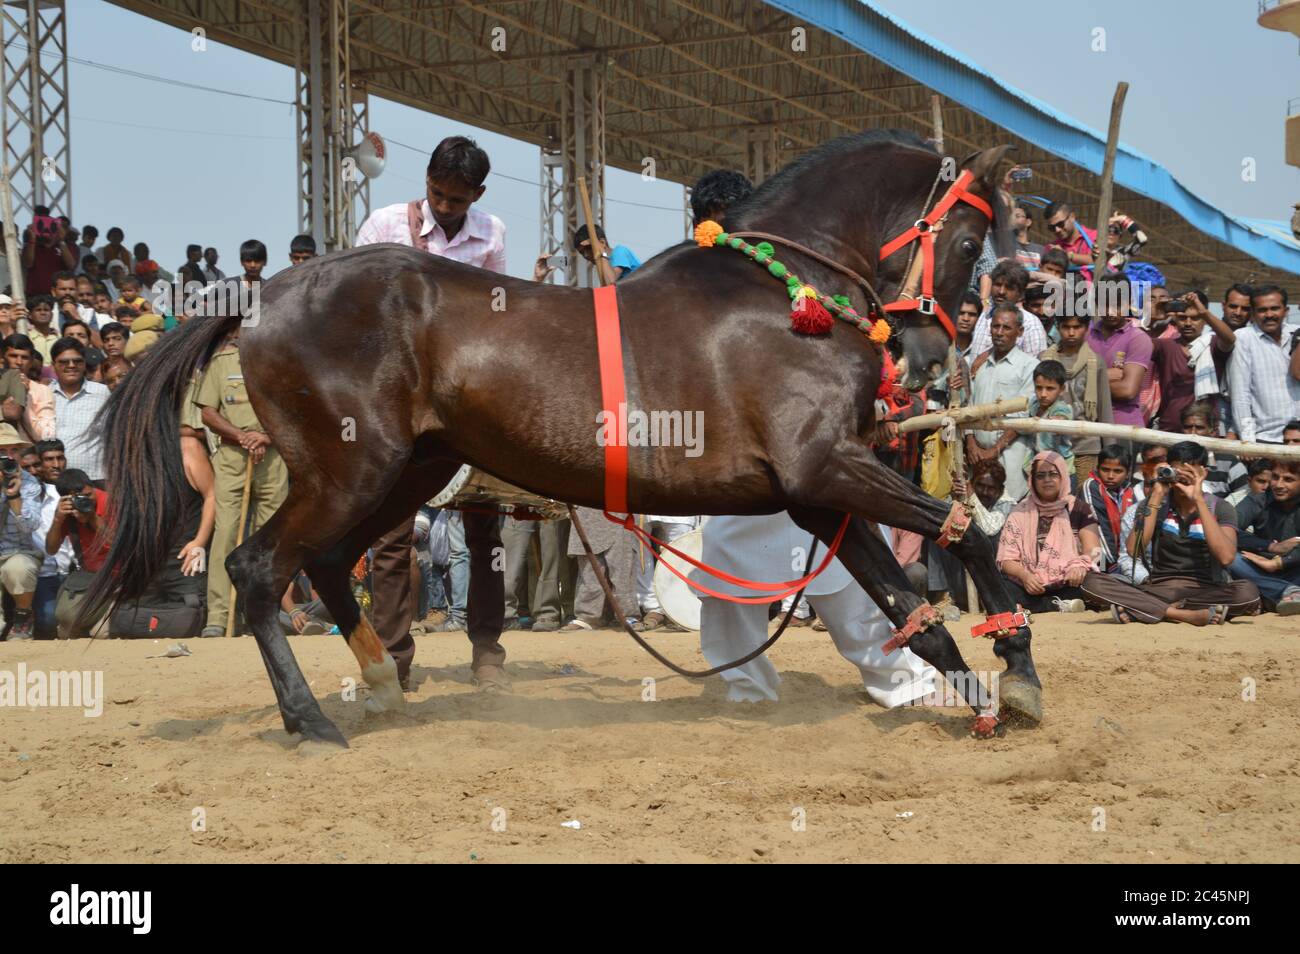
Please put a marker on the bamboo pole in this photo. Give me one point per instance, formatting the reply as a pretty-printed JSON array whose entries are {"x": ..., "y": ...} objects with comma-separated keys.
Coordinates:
[
  {"x": 239, "y": 538},
  {"x": 1107, "y": 179},
  {"x": 12, "y": 251},
  {"x": 597, "y": 246},
  {"x": 936, "y": 116},
  {"x": 1129, "y": 432},
  {"x": 961, "y": 415}
]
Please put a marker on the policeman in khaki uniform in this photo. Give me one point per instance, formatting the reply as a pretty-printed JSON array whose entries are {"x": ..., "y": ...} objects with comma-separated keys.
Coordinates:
[{"x": 228, "y": 415}]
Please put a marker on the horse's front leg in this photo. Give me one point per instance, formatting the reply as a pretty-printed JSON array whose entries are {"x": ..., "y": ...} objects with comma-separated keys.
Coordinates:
[
  {"x": 852, "y": 480},
  {"x": 867, "y": 556}
]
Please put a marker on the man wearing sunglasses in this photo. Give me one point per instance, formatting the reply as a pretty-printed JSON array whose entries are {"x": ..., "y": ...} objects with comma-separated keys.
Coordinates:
[
  {"x": 76, "y": 402},
  {"x": 1072, "y": 237}
]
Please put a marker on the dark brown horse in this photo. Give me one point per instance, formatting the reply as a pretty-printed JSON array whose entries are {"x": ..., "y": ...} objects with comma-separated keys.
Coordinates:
[{"x": 378, "y": 371}]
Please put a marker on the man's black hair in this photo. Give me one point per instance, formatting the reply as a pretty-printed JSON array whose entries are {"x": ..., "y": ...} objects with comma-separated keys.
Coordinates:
[
  {"x": 1188, "y": 452},
  {"x": 193, "y": 248},
  {"x": 252, "y": 251},
  {"x": 716, "y": 191},
  {"x": 1118, "y": 453},
  {"x": 1292, "y": 425},
  {"x": 46, "y": 446},
  {"x": 1259, "y": 291},
  {"x": 1055, "y": 256},
  {"x": 72, "y": 481},
  {"x": 66, "y": 344},
  {"x": 969, "y": 297},
  {"x": 1052, "y": 370},
  {"x": 1241, "y": 288},
  {"x": 1055, "y": 207},
  {"x": 459, "y": 157},
  {"x": 19, "y": 342},
  {"x": 115, "y": 327},
  {"x": 582, "y": 235},
  {"x": 302, "y": 243},
  {"x": 1012, "y": 273},
  {"x": 1258, "y": 466}
]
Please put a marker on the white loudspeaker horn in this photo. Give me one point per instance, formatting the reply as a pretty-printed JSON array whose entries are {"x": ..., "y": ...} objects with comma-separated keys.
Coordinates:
[{"x": 370, "y": 155}]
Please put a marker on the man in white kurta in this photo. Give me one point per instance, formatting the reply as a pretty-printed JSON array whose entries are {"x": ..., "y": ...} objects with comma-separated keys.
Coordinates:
[{"x": 772, "y": 548}]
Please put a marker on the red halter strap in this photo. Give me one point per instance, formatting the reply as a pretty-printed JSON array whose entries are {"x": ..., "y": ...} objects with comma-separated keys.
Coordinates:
[{"x": 923, "y": 230}]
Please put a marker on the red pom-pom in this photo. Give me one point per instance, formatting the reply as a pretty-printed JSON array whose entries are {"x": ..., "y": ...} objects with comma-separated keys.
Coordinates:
[
  {"x": 887, "y": 374},
  {"x": 810, "y": 317},
  {"x": 985, "y": 727}
]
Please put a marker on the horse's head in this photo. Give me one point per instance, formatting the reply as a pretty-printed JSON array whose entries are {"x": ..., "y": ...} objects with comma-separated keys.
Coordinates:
[{"x": 922, "y": 338}]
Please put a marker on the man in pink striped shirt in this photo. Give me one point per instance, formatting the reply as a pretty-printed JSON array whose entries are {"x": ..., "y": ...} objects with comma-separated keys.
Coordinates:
[{"x": 444, "y": 222}]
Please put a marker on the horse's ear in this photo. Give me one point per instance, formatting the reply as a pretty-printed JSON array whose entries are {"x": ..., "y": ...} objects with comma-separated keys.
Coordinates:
[{"x": 984, "y": 163}]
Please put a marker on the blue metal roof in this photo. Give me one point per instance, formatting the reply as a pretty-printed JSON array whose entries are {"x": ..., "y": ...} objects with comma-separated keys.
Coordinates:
[{"x": 900, "y": 46}]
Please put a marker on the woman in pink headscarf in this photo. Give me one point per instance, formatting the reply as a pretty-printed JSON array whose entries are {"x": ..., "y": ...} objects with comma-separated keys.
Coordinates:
[{"x": 1046, "y": 545}]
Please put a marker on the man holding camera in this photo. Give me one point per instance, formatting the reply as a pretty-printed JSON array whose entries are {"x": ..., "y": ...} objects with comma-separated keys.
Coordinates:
[
  {"x": 46, "y": 250},
  {"x": 19, "y": 560},
  {"x": 1193, "y": 540}
]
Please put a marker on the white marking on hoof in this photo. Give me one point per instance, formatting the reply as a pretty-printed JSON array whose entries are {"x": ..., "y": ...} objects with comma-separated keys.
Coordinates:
[{"x": 385, "y": 691}]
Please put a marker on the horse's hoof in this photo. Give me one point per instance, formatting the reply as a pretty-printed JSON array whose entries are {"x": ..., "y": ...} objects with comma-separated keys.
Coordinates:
[
  {"x": 385, "y": 689},
  {"x": 1019, "y": 700},
  {"x": 323, "y": 731}
]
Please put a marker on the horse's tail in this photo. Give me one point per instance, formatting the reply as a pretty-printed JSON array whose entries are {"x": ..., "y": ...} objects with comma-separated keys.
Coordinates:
[{"x": 140, "y": 442}]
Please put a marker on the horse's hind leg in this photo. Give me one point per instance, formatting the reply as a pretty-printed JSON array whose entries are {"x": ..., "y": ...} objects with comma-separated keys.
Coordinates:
[
  {"x": 869, "y": 559},
  {"x": 261, "y": 569},
  {"x": 852, "y": 480}
]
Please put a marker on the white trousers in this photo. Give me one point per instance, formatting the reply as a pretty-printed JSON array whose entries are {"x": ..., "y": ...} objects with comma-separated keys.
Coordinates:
[
  {"x": 645, "y": 591},
  {"x": 856, "y": 625}
]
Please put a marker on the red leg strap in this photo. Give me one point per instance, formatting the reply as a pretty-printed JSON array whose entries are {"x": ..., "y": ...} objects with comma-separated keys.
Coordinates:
[
  {"x": 1001, "y": 625},
  {"x": 955, "y": 525},
  {"x": 919, "y": 620}
]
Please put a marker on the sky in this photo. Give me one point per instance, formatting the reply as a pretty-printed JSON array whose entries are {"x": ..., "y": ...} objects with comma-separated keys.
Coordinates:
[{"x": 173, "y": 165}]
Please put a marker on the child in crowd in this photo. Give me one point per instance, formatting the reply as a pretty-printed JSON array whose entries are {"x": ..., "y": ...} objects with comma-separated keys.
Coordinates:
[
  {"x": 1050, "y": 401},
  {"x": 1259, "y": 474},
  {"x": 1109, "y": 494},
  {"x": 1087, "y": 387}
]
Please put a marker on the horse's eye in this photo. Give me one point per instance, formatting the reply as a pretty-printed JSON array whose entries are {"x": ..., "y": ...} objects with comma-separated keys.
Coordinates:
[{"x": 970, "y": 248}]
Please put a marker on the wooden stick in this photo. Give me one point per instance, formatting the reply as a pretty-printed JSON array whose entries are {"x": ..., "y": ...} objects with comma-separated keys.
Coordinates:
[
  {"x": 1099, "y": 254},
  {"x": 12, "y": 252},
  {"x": 597, "y": 246},
  {"x": 960, "y": 415},
  {"x": 239, "y": 538},
  {"x": 936, "y": 114},
  {"x": 1142, "y": 435}
]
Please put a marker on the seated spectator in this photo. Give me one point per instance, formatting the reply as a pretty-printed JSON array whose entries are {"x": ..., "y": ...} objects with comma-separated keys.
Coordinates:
[
  {"x": 20, "y": 561},
  {"x": 1259, "y": 475},
  {"x": 81, "y": 514},
  {"x": 1187, "y": 367},
  {"x": 1049, "y": 401},
  {"x": 54, "y": 569},
  {"x": 989, "y": 504},
  {"x": 1109, "y": 494},
  {"x": 1002, "y": 373},
  {"x": 1009, "y": 283},
  {"x": 613, "y": 263},
  {"x": 1087, "y": 388},
  {"x": 303, "y": 617},
  {"x": 1044, "y": 546},
  {"x": 112, "y": 371},
  {"x": 1193, "y": 540},
  {"x": 1269, "y": 540}
]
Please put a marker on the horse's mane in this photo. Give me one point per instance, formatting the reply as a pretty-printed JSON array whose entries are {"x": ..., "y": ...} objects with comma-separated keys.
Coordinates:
[{"x": 779, "y": 185}]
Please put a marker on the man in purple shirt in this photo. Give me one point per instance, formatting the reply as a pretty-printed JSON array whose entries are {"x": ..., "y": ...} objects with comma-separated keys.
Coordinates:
[{"x": 1123, "y": 347}]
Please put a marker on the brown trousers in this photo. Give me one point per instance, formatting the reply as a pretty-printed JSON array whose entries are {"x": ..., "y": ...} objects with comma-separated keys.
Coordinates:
[
  {"x": 394, "y": 603},
  {"x": 1147, "y": 602}
]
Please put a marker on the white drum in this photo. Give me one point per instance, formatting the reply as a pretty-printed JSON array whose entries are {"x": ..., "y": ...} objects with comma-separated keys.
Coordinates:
[{"x": 679, "y": 602}]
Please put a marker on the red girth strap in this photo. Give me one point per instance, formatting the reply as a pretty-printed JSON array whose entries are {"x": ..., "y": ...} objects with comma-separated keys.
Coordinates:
[
  {"x": 919, "y": 620},
  {"x": 954, "y": 525},
  {"x": 1001, "y": 625},
  {"x": 926, "y": 304},
  {"x": 613, "y": 392}
]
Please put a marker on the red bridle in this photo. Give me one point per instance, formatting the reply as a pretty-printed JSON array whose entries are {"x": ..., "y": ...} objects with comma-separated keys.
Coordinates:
[{"x": 924, "y": 230}]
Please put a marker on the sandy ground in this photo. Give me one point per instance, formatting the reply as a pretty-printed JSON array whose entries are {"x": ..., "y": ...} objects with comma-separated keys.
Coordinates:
[{"x": 1146, "y": 733}]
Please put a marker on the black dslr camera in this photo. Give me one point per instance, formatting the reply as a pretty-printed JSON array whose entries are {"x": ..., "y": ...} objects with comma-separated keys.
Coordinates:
[
  {"x": 8, "y": 466},
  {"x": 83, "y": 503},
  {"x": 1166, "y": 474}
]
